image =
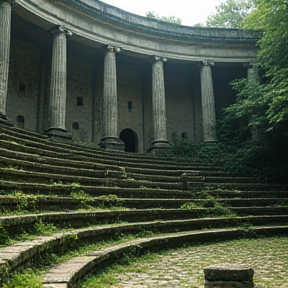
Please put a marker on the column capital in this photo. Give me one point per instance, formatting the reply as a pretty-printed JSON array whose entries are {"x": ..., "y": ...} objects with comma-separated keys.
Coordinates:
[
  {"x": 61, "y": 29},
  {"x": 250, "y": 65},
  {"x": 208, "y": 63},
  {"x": 111, "y": 48},
  {"x": 11, "y": 2},
  {"x": 159, "y": 58}
]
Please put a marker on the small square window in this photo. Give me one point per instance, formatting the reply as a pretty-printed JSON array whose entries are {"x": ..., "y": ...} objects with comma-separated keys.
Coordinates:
[
  {"x": 129, "y": 106},
  {"x": 22, "y": 88},
  {"x": 184, "y": 135},
  {"x": 79, "y": 101}
]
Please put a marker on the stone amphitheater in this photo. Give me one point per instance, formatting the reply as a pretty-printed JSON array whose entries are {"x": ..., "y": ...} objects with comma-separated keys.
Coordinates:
[
  {"x": 169, "y": 81},
  {"x": 175, "y": 202}
]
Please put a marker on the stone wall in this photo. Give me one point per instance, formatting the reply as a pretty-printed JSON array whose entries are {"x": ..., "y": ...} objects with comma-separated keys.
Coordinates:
[{"x": 24, "y": 83}]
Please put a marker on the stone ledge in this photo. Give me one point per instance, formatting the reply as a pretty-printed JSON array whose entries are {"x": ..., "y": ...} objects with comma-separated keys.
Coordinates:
[{"x": 73, "y": 270}]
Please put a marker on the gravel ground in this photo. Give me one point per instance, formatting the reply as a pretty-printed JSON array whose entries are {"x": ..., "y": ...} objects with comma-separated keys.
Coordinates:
[{"x": 184, "y": 267}]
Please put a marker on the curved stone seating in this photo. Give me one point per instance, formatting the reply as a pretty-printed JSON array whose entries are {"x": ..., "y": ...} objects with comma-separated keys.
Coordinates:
[
  {"x": 17, "y": 255},
  {"x": 151, "y": 187},
  {"x": 76, "y": 268},
  {"x": 79, "y": 219}
]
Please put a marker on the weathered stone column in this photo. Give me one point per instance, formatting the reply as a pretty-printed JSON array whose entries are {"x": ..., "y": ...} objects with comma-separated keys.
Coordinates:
[
  {"x": 252, "y": 71},
  {"x": 252, "y": 75},
  {"x": 110, "y": 139},
  {"x": 208, "y": 102},
  {"x": 57, "y": 100},
  {"x": 160, "y": 145},
  {"x": 5, "y": 35}
]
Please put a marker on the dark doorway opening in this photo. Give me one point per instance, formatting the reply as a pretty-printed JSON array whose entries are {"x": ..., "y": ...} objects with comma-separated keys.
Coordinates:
[{"x": 130, "y": 139}]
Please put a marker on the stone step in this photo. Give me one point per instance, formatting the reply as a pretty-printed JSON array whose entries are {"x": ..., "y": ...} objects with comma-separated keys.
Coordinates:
[
  {"x": 80, "y": 219},
  {"x": 62, "y": 190},
  {"x": 23, "y": 157},
  {"x": 96, "y": 191},
  {"x": 16, "y": 158},
  {"x": 177, "y": 203},
  {"x": 45, "y": 148},
  {"x": 89, "y": 147},
  {"x": 247, "y": 193},
  {"x": 222, "y": 186},
  {"x": 75, "y": 269},
  {"x": 45, "y": 203},
  {"x": 104, "y": 172},
  {"x": 41, "y": 177}
]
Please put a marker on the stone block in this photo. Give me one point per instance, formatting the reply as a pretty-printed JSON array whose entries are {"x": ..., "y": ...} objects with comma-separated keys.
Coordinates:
[{"x": 228, "y": 272}]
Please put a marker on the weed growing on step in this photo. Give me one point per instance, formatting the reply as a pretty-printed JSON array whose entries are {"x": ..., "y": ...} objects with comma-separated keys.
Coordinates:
[
  {"x": 28, "y": 278},
  {"x": 110, "y": 200},
  {"x": 44, "y": 229},
  {"x": 24, "y": 202},
  {"x": 212, "y": 208}
]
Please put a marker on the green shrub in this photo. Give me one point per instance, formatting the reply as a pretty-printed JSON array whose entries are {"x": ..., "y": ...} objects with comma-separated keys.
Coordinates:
[{"x": 24, "y": 280}]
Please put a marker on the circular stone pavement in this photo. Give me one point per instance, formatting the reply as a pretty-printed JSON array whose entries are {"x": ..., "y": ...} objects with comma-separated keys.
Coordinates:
[{"x": 184, "y": 267}]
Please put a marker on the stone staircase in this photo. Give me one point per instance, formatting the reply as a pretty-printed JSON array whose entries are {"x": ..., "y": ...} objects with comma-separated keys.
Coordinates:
[{"x": 125, "y": 202}]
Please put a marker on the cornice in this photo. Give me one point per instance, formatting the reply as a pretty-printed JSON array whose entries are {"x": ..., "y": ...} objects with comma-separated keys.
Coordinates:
[{"x": 128, "y": 21}]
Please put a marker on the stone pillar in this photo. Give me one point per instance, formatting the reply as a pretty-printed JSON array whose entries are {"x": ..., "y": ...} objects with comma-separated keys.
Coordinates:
[
  {"x": 110, "y": 139},
  {"x": 252, "y": 75},
  {"x": 252, "y": 71},
  {"x": 160, "y": 145},
  {"x": 5, "y": 35},
  {"x": 208, "y": 102},
  {"x": 57, "y": 100}
]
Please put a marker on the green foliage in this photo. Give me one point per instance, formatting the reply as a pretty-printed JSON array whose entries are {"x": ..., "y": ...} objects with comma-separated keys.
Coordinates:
[
  {"x": 105, "y": 281},
  {"x": 211, "y": 205},
  {"x": 170, "y": 19},
  {"x": 230, "y": 14},
  {"x": 26, "y": 279},
  {"x": 24, "y": 202},
  {"x": 253, "y": 132},
  {"x": 44, "y": 229},
  {"x": 272, "y": 17},
  {"x": 110, "y": 200}
]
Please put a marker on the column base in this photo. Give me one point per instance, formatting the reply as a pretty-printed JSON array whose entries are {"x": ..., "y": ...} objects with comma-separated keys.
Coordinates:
[
  {"x": 58, "y": 134},
  {"x": 161, "y": 148},
  {"x": 5, "y": 121},
  {"x": 112, "y": 143},
  {"x": 211, "y": 142}
]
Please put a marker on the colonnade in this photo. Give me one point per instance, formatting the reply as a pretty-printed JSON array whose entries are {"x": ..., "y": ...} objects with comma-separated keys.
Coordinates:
[{"x": 57, "y": 100}]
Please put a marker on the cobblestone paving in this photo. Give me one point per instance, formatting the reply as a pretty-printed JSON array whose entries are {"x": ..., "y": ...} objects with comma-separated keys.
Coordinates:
[{"x": 184, "y": 267}]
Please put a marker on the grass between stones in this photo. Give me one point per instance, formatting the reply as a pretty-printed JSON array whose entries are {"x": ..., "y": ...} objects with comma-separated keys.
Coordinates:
[{"x": 184, "y": 267}]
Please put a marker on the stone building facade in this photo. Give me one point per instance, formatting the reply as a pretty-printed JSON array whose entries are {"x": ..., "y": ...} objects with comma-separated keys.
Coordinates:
[{"x": 89, "y": 70}]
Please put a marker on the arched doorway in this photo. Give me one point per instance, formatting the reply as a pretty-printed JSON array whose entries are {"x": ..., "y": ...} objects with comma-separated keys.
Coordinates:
[{"x": 130, "y": 139}]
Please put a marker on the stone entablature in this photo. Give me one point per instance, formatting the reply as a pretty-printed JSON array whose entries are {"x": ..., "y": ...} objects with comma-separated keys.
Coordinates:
[{"x": 96, "y": 21}]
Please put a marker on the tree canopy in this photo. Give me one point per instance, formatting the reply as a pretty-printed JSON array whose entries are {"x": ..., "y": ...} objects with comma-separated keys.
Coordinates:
[
  {"x": 230, "y": 14},
  {"x": 170, "y": 19}
]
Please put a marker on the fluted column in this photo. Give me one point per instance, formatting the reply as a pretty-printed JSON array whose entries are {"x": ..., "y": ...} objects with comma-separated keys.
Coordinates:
[
  {"x": 110, "y": 138},
  {"x": 160, "y": 143},
  {"x": 57, "y": 100},
  {"x": 5, "y": 35},
  {"x": 252, "y": 71},
  {"x": 208, "y": 102}
]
